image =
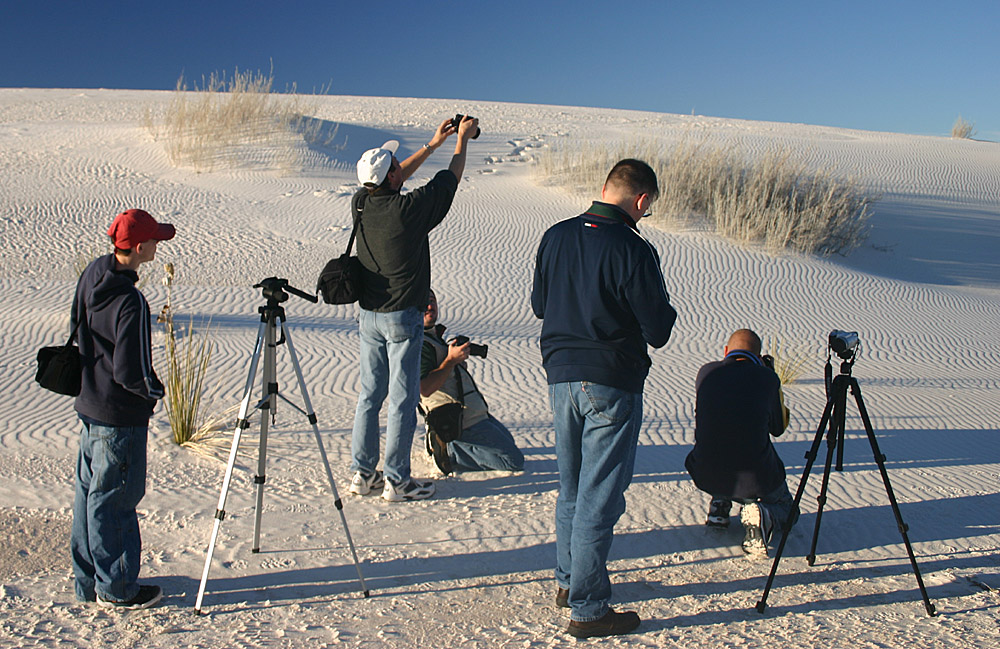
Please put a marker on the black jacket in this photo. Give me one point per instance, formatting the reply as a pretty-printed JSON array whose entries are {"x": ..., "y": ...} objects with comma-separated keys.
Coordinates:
[
  {"x": 119, "y": 386},
  {"x": 739, "y": 407},
  {"x": 392, "y": 242},
  {"x": 599, "y": 288}
]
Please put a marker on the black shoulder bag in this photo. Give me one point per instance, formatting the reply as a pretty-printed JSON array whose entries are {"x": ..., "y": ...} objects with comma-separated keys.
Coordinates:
[
  {"x": 340, "y": 279},
  {"x": 59, "y": 368}
]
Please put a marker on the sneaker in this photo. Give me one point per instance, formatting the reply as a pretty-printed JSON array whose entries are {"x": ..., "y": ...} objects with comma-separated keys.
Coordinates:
[
  {"x": 562, "y": 598},
  {"x": 758, "y": 527},
  {"x": 718, "y": 513},
  {"x": 146, "y": 597},
  {"x": 611, "y": 624},
  {"x": 413, "y": 490},
  {"x": 439, "y": 450},
  {"x": 363, "y": 485}
]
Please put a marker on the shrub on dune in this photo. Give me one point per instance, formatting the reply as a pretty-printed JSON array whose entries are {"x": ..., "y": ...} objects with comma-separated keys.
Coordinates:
[
  {"x": 238, "y": 121},
  {"x": 772, "y": 200},
  {"x": 963, "y": 129}
]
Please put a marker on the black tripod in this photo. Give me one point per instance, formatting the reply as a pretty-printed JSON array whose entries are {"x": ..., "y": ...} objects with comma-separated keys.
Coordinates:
[
  {"x": 836, "y": 406},
  {"x": 270, "y": 316}
]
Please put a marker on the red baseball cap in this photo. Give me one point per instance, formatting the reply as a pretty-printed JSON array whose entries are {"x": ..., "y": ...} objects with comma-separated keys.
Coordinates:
[{"x": 132, "y": 227}]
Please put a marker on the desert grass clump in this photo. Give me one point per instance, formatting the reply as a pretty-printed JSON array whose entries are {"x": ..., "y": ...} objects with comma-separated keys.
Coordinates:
[
  {"x": 772, "y": 200},
  {"x": 238, "y": 121},
  {"x": 963, "y": 129},
  {"x": 789, "y": 362},
  {"x": 188, "y": 357}
]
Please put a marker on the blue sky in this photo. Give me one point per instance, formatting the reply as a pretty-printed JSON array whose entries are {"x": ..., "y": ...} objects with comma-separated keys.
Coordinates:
[{"x": 906, "y": 66}]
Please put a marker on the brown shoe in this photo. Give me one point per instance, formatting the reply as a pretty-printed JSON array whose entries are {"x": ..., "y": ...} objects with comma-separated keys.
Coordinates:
[
  {"x": 611, "y": 624},
  {"x": 562, "y": 598}
]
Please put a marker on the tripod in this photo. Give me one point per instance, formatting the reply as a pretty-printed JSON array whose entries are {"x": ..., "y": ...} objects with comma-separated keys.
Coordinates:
[
  {"x": 270, "y": 316},
  {"x": 836, "y": 406}
]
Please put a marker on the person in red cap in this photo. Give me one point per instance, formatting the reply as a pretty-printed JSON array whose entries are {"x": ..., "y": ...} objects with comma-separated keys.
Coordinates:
[{"x": 118, "y": 392}]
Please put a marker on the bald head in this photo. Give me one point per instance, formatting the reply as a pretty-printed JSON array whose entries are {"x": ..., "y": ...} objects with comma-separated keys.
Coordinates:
[{"x": 744, "y": 340}]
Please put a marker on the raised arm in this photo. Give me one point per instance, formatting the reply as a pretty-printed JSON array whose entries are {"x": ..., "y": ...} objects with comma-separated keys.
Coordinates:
[{"x": 411, "y": 164}]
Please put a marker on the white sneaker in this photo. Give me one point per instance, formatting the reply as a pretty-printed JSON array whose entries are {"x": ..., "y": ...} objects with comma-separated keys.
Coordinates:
[
  {"x": 758, "y": 526},
  {"x": 362, "y": 485},
  {"x": 411, "y": 491}
]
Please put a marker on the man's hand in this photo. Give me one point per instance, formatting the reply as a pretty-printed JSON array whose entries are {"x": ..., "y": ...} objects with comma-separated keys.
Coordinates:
[
  {"x": 443, "y": 132},
  {"x": 468, "y": 127},
  {"x": 456, "y": 354}
]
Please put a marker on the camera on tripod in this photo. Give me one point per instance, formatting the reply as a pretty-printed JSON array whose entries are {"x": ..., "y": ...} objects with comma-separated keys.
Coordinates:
[
  {"x": 844, "y": 343},
  {"x": 474, "y": 349}
]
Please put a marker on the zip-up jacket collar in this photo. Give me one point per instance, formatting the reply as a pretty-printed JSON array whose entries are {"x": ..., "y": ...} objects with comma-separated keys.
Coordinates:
[{"x": 609, "y": 211}]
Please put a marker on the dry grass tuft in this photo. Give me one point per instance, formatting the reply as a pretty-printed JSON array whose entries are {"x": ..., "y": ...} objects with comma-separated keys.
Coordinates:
[
  {"x": 773, "y": 201},
  {"x": 963, "y": 129},
  {"x": 789, "y": 362},
  {"x": 239, "y": 121},
  {"x": 188, "y": 357}
]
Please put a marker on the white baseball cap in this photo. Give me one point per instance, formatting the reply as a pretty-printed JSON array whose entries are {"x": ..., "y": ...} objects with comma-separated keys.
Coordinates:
[{"x": 374, "y": 164}]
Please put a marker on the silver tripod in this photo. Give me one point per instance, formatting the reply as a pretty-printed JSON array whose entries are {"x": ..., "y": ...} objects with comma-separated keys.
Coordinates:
[{"x": 270, "y": 316}]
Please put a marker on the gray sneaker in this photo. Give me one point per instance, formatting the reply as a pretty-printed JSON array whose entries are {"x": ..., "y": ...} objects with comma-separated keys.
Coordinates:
[
  {"x": 413, "y": 490},
  {"x": 146, "y": 597},
  {"x": 362, "y": 485},
  {"x": 758, "y": 526}
]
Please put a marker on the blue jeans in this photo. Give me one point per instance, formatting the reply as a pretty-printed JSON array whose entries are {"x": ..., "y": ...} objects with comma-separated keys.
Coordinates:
[
  {"x": 597, "y": 429},
  {"x": 486, "y": 445},
  {"x": 779, "y": 504},
  {"x": 110, "y": 482},
  {"x": 390, "y": 365}
]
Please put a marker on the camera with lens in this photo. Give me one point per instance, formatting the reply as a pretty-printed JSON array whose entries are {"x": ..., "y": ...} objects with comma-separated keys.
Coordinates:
[
  {"x": 844, "y": 343},
  {"x": 458, "y": 120},
  {"x": 768, "y": 361},
  {"x": 474, "y": 349}
]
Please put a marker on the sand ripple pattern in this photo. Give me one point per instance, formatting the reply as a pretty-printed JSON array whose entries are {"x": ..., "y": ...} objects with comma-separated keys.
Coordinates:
[{"x": 472, "y": 567}]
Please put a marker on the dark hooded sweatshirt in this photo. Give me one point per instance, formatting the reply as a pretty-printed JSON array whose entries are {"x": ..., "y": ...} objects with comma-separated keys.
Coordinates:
[{"x": 119, "y": 386}]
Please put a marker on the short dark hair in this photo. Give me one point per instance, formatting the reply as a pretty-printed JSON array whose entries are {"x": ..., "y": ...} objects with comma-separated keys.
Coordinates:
[{"x": 635, "y": 176}]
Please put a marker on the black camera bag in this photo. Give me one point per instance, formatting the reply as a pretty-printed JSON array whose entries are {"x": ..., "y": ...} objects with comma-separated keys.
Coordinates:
[
  {"x": 340, "y": 279},
  {"x": 445, "y": 421},
  {"x": 60, "y": 368}
]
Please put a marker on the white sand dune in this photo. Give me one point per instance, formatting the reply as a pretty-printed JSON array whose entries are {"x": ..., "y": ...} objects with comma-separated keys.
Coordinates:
[{"x": 472, "y": 567}]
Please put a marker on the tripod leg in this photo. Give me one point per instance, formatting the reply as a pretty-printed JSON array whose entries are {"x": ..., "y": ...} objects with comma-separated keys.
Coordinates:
[
  {"x": 267, "y": 405},
  {"x": 811, "y": 458},
  {"x": 838, "y": 395},
  {"x": 880, "y": 461},
  {"x": 241, "y": 424},
  {"x": 322, "y": 452}
]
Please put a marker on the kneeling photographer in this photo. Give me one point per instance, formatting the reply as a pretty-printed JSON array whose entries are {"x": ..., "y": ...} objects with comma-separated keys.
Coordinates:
[
  {"x": 461, "y": 433},
  {"x": 739, "y": 407}
]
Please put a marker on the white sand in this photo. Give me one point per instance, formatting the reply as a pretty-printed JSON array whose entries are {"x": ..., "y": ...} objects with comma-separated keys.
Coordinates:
[{"x": 472, "y": 567}]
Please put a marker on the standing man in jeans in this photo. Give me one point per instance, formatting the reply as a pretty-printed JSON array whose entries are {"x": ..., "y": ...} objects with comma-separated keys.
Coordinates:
[
  {"x": 118, "y": 391},
  {"x": 600, "y": 292},
  {"x": 394, "y": 252}
]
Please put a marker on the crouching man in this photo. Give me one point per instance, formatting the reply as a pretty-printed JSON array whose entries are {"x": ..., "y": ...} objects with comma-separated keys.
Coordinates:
[
  {"x": 461, "y": 433},
  {"x": 739, "y": 407}
]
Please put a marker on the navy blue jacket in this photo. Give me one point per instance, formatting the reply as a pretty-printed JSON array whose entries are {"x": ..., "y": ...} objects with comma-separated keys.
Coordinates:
[
  {"x": 118, "y": 387},
  {"x": 739, "y": 406},
  {"x": 599, "y": 290}
]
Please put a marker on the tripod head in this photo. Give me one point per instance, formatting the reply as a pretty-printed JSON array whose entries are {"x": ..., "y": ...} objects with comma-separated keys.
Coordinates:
[
  {"x": 847, "y": 346},
  {"x": 274, "y": 289}
]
